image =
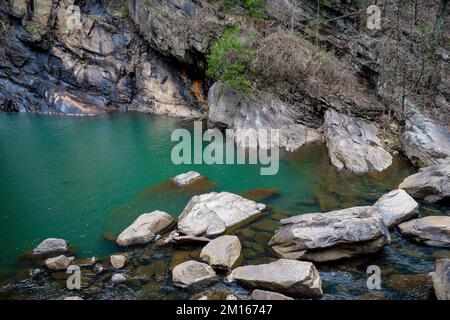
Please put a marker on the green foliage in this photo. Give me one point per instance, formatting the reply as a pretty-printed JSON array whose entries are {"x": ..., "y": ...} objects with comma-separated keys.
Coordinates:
[
  {"x": 255, "y": 8},
  {"x": 34, "y": 28},
  {"x": 231, "y": 60}
]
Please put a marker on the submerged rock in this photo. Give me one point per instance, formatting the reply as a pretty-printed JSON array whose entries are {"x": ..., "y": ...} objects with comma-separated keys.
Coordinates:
[
  {"x": 425, "y": 142},
  {"x": 186, "y": 178},
  {"x": 118, "y": 261},
  {"x": 395, "y": 207},
  {"x": 145, "y": 228},
  {"x": 214, "y": 213},
  {"x": 441, "y": 279},
  {"x": 431, "y": 230},
  {"x": 431, "y": 183},
  {"x": 222, "y": 252},
  {"x": 193, "y": 273},
  {"x": 51, "y": 245},
  {"x": 353, "y": 144},
  {"x": 268, "y": 295},
  {"x": 260, "y": 194},
  {"x": 412, "y": 284},
  {"x": 331, "y": 236},
  {"x": 297, "y": 278},
  {"x": 58, "y": 263}
]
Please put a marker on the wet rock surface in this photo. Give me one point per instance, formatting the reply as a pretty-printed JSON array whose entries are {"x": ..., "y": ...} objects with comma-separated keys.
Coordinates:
[{"x": 292, "y": 277}]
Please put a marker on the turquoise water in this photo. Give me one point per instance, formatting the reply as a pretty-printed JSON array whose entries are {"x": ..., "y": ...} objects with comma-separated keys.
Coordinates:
[{"x": 76, "y": 178}]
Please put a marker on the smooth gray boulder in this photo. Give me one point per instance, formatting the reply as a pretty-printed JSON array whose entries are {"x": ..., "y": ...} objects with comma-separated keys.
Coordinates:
[
  {"x": 145, "y": 228},
  {"x": 58, "y": 263},
  {"x": 395, "y": 207},
  {"x": 222, "y": 252},
  {"x": 331, "y": 236},
  {"x": 431, "y": 230},
  {"x": 425, "y": 142},
  {"x": 51, "y": 245},
  {"x": 441, "y": 279},
  {"x": 353, "y": 144},
  {"x": 268, "y": 295},
  {"x": 431, "y": 184},
  {"x": 186, "y": 178},
  {"x": 214, "y": 213},
  {"x": 297, "y": 278},
  {"x": 191, "y": 273}
]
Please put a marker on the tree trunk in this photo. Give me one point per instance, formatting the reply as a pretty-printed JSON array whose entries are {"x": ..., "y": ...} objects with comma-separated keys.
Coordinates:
[{"x": 441, "y": 17}]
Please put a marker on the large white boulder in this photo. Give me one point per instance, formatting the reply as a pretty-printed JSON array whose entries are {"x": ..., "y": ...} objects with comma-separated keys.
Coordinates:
[
  {"x": 51, "y": 245},
  {"x": 214, "y": 213}
]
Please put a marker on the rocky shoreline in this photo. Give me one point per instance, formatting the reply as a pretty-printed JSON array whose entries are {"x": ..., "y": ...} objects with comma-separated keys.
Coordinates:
[{"x": 299, "y": 243}]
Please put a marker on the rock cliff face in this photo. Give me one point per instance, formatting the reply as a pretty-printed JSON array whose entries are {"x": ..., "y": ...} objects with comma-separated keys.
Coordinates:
[
  {"x": 53, "y": 62},
  {"x": 96, "y": 56}
]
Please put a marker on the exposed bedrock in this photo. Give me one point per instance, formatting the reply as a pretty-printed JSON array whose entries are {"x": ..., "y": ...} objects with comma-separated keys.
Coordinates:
[
  {"x": 353, "y": 144},
  {"x": 51, "y": 65}
]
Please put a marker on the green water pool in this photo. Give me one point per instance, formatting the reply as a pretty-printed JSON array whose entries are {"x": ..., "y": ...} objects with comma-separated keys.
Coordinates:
[{"x": 79, "y": 177}]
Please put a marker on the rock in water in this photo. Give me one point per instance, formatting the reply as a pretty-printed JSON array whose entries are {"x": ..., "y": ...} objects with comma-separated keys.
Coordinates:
[
  {"x": 353, "y": 144},
  {"x": 74, "y": 298},
  {"x": 222, "y": 252},
  {"x": 145, "y": 228},
  {"x": 431, "y": 230},
  {"x": 331, "y": 236},
  {"x": 268, "y": 295},
  {"x": 118, "y": 261},
  {"x": 193, "y": 273},
  {"x": 186, "y": 178},
  {"x": 214, "y": 213},
  {"x": 425, "y": 142},
  {"x": 51, "y": 245},
  {"x": 118, "y": 278},
  {"x": 58, "y": 263},
  {"x": 441, "y": 279},
  {"x": 297, "y": 278},
  {"x": 431, "y": 183},
  {"x": 395, "y": 207}
]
